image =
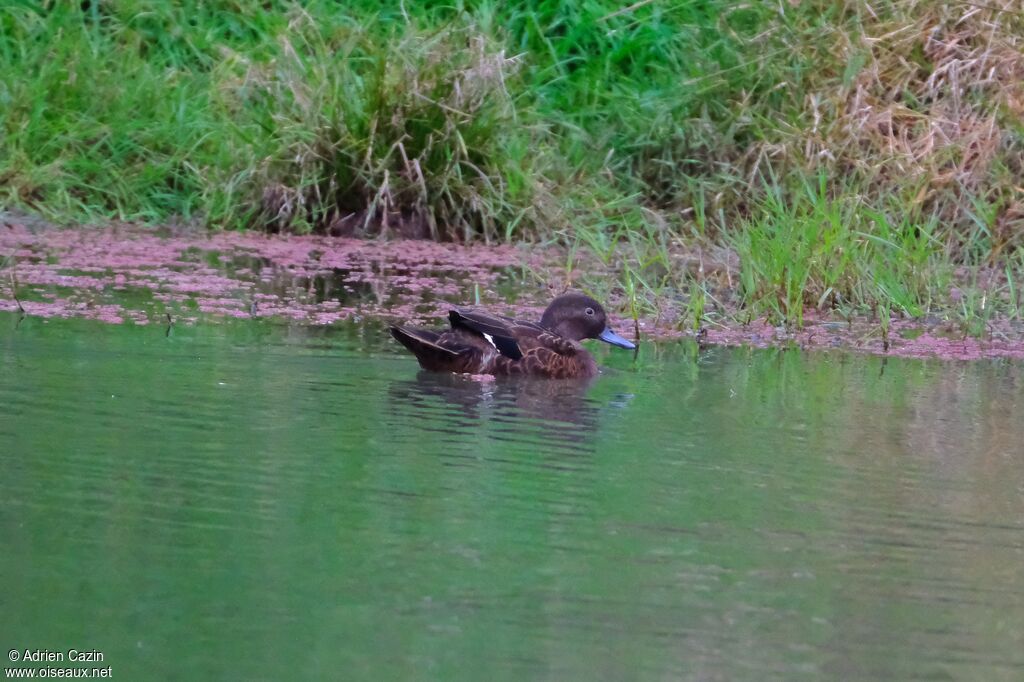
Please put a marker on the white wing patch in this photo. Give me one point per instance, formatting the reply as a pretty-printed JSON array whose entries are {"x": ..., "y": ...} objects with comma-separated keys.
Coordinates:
[{"x": 490, "y": 340}]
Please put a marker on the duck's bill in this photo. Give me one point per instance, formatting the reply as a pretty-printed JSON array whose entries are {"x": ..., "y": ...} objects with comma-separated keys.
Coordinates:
[{"x": 608, "y": 336}]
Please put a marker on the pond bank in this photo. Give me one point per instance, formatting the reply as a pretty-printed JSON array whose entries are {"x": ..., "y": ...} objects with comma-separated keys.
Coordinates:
[{"x": 127, "y": 274}]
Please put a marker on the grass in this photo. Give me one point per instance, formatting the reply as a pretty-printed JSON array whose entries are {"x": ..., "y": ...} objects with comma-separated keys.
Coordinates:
[
  {"x": 830, "y": 154},
  {"x": 816, "y": 251}
]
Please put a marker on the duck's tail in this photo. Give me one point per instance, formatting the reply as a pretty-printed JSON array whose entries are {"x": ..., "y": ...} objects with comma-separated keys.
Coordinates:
[{"x": 424, "y": 345}]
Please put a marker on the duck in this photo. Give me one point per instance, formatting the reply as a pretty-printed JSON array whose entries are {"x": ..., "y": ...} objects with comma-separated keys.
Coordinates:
[{"x": 482, "y": 343}]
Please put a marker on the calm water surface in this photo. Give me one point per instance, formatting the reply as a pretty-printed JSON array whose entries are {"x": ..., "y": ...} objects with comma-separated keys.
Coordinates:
[{"x": 249, "y": 501}]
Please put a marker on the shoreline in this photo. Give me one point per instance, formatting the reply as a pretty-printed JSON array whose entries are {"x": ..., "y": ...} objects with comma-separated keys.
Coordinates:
[{"x": 128, "y": 274}]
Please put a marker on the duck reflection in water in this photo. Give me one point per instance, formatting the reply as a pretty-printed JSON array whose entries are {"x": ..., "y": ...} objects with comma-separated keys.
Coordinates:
[{"x": 466, "y": 400}]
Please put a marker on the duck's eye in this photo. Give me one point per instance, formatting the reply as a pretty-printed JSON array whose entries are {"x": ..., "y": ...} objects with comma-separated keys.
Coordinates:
[{"x": 590, "y": 311}]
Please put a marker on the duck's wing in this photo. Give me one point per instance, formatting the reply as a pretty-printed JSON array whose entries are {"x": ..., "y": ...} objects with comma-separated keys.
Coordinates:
[
  {"x": 455, "y": 350},
  {"x": 430, "y": 348},
  {"x": 512, "y": 338},
  {"x": 501, "y": 332}
]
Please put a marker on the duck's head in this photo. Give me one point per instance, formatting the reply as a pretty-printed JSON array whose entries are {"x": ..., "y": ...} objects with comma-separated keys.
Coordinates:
[{"x": 576, "y": 317}]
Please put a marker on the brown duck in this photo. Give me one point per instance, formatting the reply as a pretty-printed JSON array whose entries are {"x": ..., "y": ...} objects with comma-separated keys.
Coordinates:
[{"x": 482, "y": 343}]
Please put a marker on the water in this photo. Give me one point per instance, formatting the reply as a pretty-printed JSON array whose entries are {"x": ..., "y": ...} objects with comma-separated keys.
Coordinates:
[{"x": 250, "y": 501}]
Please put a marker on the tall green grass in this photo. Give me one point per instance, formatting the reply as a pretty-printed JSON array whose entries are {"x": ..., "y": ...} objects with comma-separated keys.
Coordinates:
[
  {"x": 817, "y": 251},
  {"x": 852, "y": 157},
  {"x": 525, "y": 112}
]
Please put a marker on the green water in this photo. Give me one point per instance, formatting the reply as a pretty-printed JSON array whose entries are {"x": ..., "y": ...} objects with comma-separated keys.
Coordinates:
[{"x": 251, "y": 502}]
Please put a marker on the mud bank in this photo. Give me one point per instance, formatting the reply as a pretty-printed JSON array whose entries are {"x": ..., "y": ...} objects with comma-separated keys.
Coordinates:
[{"x": 128, "y": 275}]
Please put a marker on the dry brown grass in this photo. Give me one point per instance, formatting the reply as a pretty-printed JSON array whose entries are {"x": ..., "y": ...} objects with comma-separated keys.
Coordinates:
[{"x": 925, "y": 101}]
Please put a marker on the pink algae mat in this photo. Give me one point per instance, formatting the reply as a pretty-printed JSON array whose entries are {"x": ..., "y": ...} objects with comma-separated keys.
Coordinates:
[{"x": 137, "y": 276}]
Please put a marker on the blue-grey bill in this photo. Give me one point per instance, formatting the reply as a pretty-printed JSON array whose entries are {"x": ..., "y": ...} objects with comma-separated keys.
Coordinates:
[{"x": 608, "y": 336}]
